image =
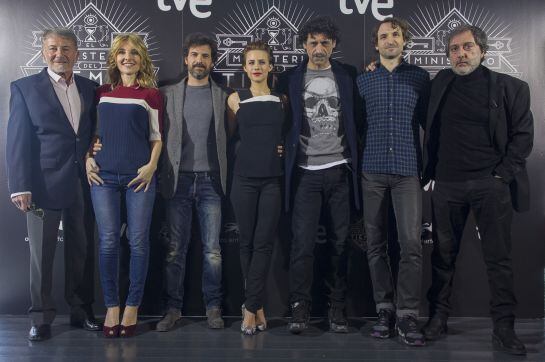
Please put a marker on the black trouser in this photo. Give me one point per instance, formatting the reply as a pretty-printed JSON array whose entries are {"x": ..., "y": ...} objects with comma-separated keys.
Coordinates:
[
  {"x": 490, "y": 201},
  {"x": 406, "y": 197},
  {"x": 257, "y": 202},
  {"x": 79, "y": 256},
  {"x": 314, "y": 189}
]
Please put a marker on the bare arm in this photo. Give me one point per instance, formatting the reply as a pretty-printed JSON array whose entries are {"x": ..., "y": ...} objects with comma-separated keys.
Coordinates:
[{"x": 232, "y": 108}]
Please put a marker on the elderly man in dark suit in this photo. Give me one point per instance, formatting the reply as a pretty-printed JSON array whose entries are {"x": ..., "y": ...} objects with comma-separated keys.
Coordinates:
[
  {"x": 479, "y": 133},
  {"x": 51, "y": 120}
]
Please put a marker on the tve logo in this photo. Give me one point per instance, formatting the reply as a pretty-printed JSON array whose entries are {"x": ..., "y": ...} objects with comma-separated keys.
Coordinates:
[
  {"x": 347, "y": 7},
  {"x": 164, "y": 5}
]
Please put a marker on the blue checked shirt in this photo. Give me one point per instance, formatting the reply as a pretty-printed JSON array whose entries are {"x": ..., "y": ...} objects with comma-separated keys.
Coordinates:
[{"x": 394, "y": 105}]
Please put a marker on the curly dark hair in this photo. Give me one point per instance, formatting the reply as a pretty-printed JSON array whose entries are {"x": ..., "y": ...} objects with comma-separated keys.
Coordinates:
[
  {"x": 478, "y": 34},
  {"x": 198, "y": 39},
  {"x": 395, "y": 23},
  {"x": 320, "y": 25}
]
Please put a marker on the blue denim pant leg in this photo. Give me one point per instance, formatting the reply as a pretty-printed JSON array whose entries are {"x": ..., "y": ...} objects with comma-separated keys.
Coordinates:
[
  {"x": 106, "y": 200},
  {"x": 107, "y": 204},
  {"x": 139, "y": 213},
  {"x": 208, "y": 203},
  {"x": 179, "y": 217}
]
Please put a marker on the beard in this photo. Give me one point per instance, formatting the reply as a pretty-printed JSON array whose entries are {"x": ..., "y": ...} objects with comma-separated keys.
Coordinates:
[
  {"x": 471, "y": 66},
  {"x": 199, "y": 71}
]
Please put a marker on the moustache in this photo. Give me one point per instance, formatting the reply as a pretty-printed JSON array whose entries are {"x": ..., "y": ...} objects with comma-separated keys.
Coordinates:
[{"x": 199, "y": 65}]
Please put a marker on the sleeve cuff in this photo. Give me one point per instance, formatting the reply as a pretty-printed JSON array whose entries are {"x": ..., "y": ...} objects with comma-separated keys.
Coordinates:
[{"x": 20, "y": 193}]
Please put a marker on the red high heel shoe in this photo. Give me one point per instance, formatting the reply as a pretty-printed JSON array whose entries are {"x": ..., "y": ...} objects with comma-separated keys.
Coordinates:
[
  {"x": 111, "y": 332},
  {"x": 127, "y": 331}
]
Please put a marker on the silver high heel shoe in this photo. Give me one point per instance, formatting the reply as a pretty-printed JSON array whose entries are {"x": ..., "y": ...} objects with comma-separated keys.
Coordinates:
[
  {"x": 246, "y": 330},
  {"x": 261, "y": 326}
]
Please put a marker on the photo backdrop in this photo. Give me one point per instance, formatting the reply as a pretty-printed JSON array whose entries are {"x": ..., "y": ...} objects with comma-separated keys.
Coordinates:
[{"x": 516, "y": 31}]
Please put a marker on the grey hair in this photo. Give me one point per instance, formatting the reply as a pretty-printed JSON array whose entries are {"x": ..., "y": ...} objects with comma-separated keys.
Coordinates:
[
  {"x": 478, "y": 34},
  {"x": 62, "y": 32}
]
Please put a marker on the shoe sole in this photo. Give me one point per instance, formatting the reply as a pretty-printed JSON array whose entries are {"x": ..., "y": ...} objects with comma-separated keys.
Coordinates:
[
  {"x": 336, "y": 328},
  {"x": 246, "y": 331},
  {"x": 38, "y": 339},
  {"x": 222, "y": 326},
  {"x": 297, "y": 329},
  {"x": 383, "y": 335},
  {"x": 498, "y": 345},
  {"x": 404, "y": 340}
]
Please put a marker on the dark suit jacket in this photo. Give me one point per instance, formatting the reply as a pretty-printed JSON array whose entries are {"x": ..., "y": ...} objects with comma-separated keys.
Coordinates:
[
  {"x": 44, "y": 155},
  {"x": 291, "y": 84},
  {"x": 511, "y": 130}
]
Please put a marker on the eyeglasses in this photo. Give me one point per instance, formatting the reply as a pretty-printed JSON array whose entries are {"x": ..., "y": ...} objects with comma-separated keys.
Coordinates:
[{"x": 37, "y": 211}]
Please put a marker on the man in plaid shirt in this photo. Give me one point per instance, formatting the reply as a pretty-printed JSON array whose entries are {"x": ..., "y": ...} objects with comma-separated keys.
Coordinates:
[{"x": 394, "y": 101}]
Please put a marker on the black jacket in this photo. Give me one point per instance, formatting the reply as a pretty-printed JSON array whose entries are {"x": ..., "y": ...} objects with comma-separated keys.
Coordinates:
[
  {"x": 291, "y": 84},
  {"x": 511, "y": 130}
]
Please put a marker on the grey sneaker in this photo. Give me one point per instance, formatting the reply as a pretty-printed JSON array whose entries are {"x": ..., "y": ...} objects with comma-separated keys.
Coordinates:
[
  {"x": 214, "y": 319},
  {"x": 170, "y": 319}
]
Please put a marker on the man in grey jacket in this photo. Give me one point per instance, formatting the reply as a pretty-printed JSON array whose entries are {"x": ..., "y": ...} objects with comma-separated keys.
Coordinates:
[{"x": 194, "y": 173}]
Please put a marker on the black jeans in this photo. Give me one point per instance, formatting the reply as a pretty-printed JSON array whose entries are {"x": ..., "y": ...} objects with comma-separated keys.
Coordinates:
[
  {"x": 490, "y": 201},
  {"x": 257, "y": 202},
  {"x": 314, "y": 190},
  {"x": 406, "y": 197}
]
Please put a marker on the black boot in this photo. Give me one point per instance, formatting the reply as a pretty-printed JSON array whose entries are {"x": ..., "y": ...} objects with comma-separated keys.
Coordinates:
[
  {"x": 300, "y": 316},
  {"x": 435, "y": 328},
  {"x": 504, "y": 339}
]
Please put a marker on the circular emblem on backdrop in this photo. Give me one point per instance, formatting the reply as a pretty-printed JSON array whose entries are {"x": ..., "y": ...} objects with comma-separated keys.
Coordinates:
[
  {"x": 90, "y": 19},
  {"x": 453, "y": 24},
  {"x": 431, "y": 24},
  {"x": 95, "y": 23},
  {"x": 273, "y": 23}
]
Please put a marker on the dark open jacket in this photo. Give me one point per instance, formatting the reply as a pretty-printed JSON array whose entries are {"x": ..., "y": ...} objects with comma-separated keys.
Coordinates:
[
  {"x": 291, "y": 84},
  {"x": 511, "y": 130}
]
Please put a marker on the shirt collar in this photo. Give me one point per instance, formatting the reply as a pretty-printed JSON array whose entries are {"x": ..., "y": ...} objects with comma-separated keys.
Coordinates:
[
  {"x": 400, "y": 66},
  {"x": 58, "y": 78}
]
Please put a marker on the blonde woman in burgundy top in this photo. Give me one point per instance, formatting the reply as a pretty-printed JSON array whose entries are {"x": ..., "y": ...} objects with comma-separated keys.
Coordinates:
[{"x": 129, "y": 129}]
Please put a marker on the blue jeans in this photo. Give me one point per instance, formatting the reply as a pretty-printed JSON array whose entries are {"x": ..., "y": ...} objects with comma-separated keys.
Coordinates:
[
  {"x": 107, "y": 204},
  {"x": 203, "y": 190}
]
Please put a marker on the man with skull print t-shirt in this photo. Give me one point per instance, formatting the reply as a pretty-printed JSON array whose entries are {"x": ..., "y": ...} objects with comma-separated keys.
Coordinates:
[
  {"x": 320, "y": 148},
  {"x": 321, "y": 140}
]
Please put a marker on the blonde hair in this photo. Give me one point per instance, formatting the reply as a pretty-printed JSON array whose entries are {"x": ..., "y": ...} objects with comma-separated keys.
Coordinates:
[{"x": 145, "y": 77}]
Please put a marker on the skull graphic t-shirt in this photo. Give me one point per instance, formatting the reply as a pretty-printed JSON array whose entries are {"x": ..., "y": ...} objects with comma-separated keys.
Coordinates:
[{"x": 322, "y": 138}]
